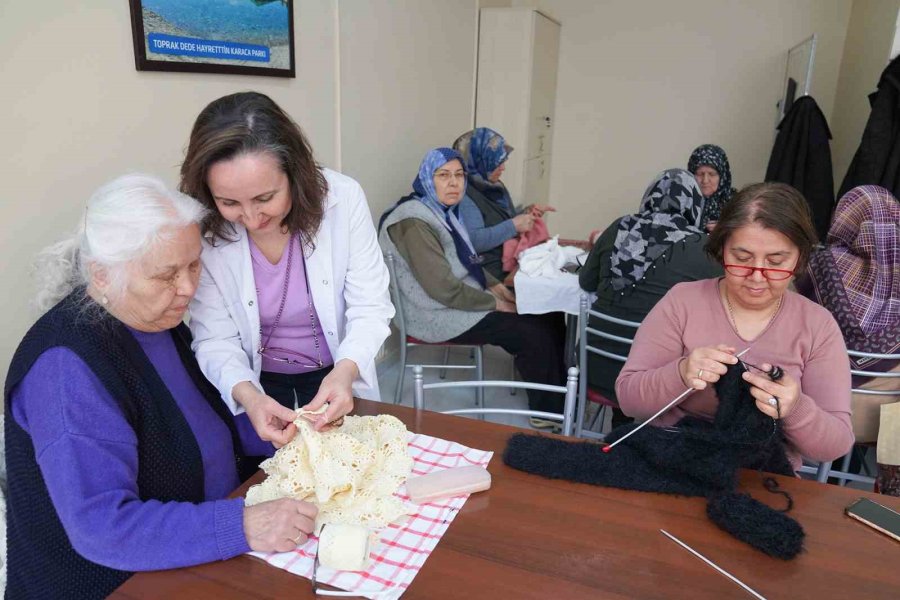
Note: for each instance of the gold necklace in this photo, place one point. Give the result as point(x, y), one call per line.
point(734, 321)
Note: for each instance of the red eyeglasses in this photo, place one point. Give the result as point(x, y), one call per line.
point(768, 273)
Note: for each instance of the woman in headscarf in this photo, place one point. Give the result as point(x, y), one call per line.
point(487, 208)
point(709, 166)
point(447, 296)
point(638, 258)
point(857, 277)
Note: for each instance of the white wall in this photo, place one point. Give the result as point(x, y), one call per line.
point(378, 83)
point(74, 112)
point(406, 87)
point(870, 36)
point(642, 83)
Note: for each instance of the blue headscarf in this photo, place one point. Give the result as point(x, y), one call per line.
point(483, 150)
point(423, 186)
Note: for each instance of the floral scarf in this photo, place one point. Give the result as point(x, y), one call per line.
point(709, 155)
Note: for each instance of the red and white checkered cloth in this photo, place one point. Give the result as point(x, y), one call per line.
point(402, 550)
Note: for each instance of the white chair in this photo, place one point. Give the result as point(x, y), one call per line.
point(566, 418)
point(586, 394)
point(824, 470)
point(407, 341)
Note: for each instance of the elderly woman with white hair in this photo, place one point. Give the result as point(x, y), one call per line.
point(120, 454)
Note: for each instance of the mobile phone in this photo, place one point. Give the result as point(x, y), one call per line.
point(875, 515)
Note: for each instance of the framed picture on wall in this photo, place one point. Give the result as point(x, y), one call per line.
point(248, 37)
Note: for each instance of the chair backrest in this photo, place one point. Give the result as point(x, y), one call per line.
point(585, 329)
point(584, 347)
point(824, 470)
point(874, 374)
point(396, 296)
point(567, 417)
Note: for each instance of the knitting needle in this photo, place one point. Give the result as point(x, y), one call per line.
point(713, 565)
point(660, 411)
point(775, 373)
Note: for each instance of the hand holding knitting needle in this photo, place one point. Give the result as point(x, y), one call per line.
point(674, 401)
point(705, 365)
point(785, 391)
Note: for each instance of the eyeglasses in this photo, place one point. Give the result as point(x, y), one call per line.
point(444, 177)
point(768, 273)
point(292, 358)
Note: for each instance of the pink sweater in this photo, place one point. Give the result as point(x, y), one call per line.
point(803, 339)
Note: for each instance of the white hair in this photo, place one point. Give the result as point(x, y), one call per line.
point(122, 221)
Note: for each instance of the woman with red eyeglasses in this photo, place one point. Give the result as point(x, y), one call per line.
point(691, 337)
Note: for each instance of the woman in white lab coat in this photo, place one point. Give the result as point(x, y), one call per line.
point(293, 302)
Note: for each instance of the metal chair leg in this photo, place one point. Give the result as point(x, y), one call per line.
point(443, 372)
point(600, 410)
point(822, 471)
point(399, 391)
point(479, 374)
point(845, 466)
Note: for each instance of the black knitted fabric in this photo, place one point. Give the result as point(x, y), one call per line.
point(694, 458)
point(42, 562)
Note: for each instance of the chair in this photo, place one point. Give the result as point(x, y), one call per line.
point(407, 341)
point(567, 417)
point(824, 470)
point(586, 394)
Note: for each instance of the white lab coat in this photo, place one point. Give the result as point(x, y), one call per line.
point(349, 285)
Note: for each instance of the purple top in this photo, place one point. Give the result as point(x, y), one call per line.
point(87, 454)
point(294, 331)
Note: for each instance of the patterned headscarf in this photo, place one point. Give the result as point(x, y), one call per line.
point(670, 211)
point(483, 150)
point(423, 186)
point(857, 276)
point(709, 155)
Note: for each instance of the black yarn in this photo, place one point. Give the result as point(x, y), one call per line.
point(695, 458)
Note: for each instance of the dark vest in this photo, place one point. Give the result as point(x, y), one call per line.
point(42, 562)
point(494, 214)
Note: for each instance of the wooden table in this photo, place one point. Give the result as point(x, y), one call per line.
point(529, 537)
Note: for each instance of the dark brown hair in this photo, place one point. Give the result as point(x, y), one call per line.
point(247, 123)
point(774, 206)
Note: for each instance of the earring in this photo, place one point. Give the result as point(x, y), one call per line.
point(104, 300)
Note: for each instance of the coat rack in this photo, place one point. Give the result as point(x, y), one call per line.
point(797, 75)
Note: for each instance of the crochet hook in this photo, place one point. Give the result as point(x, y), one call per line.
point(713, 565)
point(675, 401)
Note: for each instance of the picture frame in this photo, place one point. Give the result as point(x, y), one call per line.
point(245, 37)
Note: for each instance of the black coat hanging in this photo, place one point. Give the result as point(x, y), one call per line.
point(801, 158)
point(877, 160)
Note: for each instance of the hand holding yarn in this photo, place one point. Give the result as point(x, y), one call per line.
point(785, 391)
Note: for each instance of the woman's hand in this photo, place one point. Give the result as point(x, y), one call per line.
point(337, 390)
point(279, 525)
point(272, 421)
point(523, 222)
point(786, 391)
point(503, 293)
point(706, 365)
point(504, 306)
point(538, 210)
point(505, 299)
